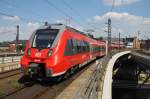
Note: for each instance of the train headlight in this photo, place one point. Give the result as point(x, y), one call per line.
point(49, 53)
point(29, 52)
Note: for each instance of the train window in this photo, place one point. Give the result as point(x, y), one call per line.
point(87, 48)
point(75, 46)
point(102, 48)
point(69, 48)
point(96, 49)
point(78, 46)
point(44, 38)
point(82, 46)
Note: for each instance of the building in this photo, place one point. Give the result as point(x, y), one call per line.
point(145, 44)
point(128, 42)
point(10, 46)
point(4, 47)
point(136, 43)
point(21, 45)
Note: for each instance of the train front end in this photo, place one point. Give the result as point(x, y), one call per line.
point(39, 55)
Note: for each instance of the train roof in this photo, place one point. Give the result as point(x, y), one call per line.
point(51, 26)
point(62, 27)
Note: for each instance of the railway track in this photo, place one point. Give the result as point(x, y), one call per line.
point(143, 52)
point(9, 73)
point(46, 90)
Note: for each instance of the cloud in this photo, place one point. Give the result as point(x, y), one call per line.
point(147, 21)
point(119, 2)
point(59, 21)
point(78, 27)
point(9, 33)
point(13, 18)
point(126, 23)
point(33, 25)
point(7, 30)
point(117, 16)
point(27, 29)
point(98, 18)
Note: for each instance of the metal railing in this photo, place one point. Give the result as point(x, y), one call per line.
point(94, 84)
point(144, 55)
point(10, 54)
point(93, 87)
point(9, 59)
point(9, 67)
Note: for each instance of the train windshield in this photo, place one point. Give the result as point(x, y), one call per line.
point(44, 38)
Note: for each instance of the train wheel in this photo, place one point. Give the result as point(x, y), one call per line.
point(66, 75)
point(57, 79)
point(72, 70)
point(76, 68)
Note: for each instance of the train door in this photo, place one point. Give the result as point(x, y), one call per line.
point(69, 51)
point(91, 52)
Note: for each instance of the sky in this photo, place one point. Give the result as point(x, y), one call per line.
point(129, 17)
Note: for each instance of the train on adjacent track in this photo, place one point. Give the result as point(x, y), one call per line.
point(57, 50)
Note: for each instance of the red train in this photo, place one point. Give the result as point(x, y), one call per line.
point(56, 50)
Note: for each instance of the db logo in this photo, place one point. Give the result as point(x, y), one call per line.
point(83, 56)
point(38, 54)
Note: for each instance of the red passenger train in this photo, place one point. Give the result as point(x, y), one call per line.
point(56, 50)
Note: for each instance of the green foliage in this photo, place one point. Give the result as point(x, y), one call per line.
point(15, 83)
point(2, 93)
point(23, 46)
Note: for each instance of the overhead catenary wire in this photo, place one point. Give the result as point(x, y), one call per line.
point(75, 11)
point(12, 16)
point(52, 5)
point(9, 4)
point(19, 7)
point(113, 5)
point(7, 32)
point(5, 14)
point(20, 17)
point(58, 9)
point(62, 12)
point(72, 9)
